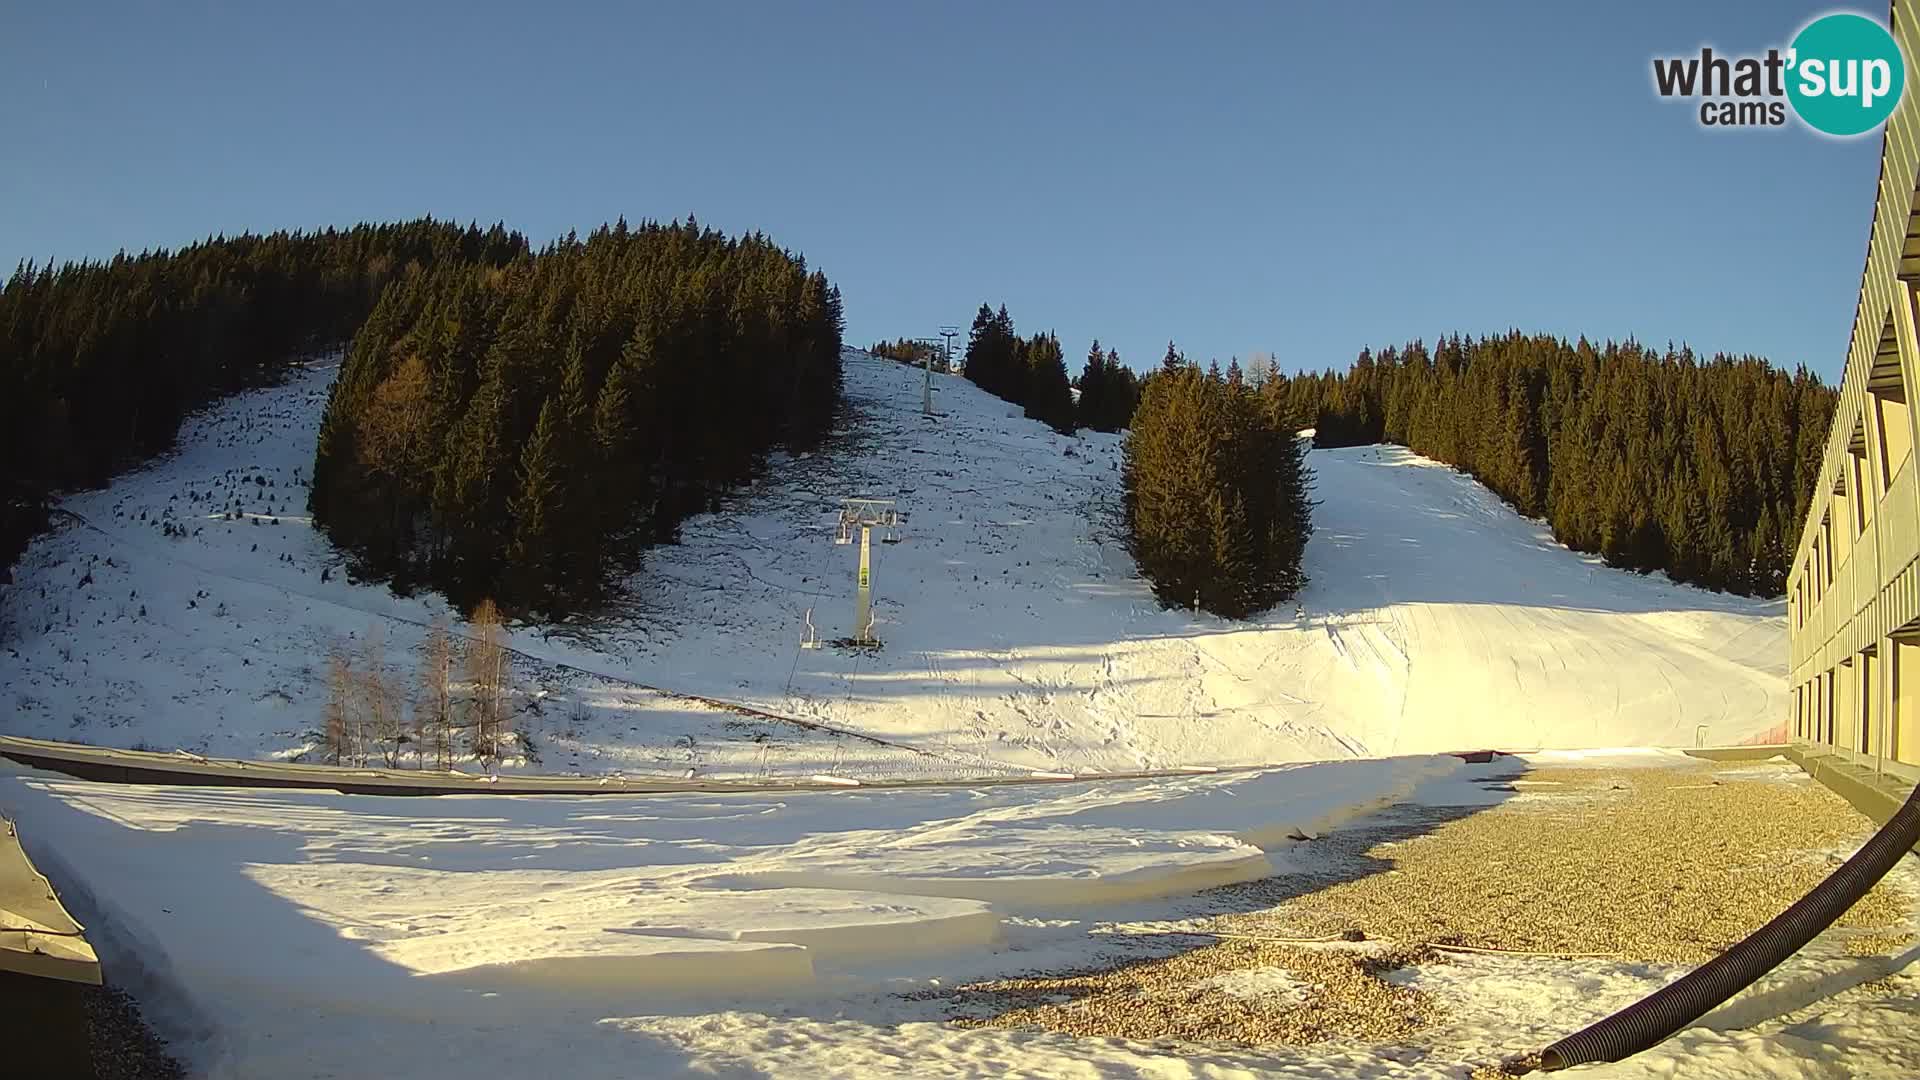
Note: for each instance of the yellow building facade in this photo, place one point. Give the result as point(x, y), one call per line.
point(1853, 596)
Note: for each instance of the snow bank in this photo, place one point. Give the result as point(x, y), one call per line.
point(274, 916)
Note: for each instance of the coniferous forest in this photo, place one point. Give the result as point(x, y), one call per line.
point(1655, 460)
point(100, 361)
point(1215, 491)
point(907, 351)
point(1109, 391)
point(1032, 373)
point(1029, 372)
point(524, 431)
point(522, 424)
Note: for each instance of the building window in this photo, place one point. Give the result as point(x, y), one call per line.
point(1859, 478)
point(1887, 389)
point(1826, 552)
point(1827, 694)
point(1865, 713)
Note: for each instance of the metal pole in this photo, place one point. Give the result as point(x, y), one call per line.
point(863, 603)
point(1883, 693)
point(948, 332)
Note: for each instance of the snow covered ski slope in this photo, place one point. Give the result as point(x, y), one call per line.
point(190, 605)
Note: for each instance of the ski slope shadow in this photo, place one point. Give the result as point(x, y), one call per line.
point(196, 938)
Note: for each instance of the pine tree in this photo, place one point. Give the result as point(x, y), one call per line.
point(538, 561)
point(1049, 398)
point(978, 360)
point(1215, 497)
point(1126, 393)
point(1096, 391)
point(470, 493)
point(626, 497)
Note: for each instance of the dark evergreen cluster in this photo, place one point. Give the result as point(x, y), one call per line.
point(99, 361)
point(1655, 460)
point(1029, 372)
point(1109, 391)
point(1215, 491)
point(907, 351)
point(524, 431)
point(1049, 394)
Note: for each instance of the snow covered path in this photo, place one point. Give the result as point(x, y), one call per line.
point(195, 607)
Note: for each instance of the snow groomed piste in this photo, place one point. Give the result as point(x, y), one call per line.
point(1016, 637)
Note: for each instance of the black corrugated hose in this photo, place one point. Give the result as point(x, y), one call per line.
point(1653, 1019)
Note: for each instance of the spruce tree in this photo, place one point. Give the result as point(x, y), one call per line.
point(1126, 392)
point(539, 558)
point(982, 351)
point(1048, 397)
point(1095, 404)
point(1215, 497)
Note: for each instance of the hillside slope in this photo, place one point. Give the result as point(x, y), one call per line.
point(1017, 634)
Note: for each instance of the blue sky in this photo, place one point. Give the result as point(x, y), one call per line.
point(1298, 178)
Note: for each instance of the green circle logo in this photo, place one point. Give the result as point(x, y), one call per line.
point(1845, 74)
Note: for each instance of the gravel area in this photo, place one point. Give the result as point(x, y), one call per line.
point(124, 1048)
point(1340, 994)
point(1667, 863)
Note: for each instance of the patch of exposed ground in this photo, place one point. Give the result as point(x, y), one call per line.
point(1337, 992)
point(124, 1048)
point(1667, 864)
